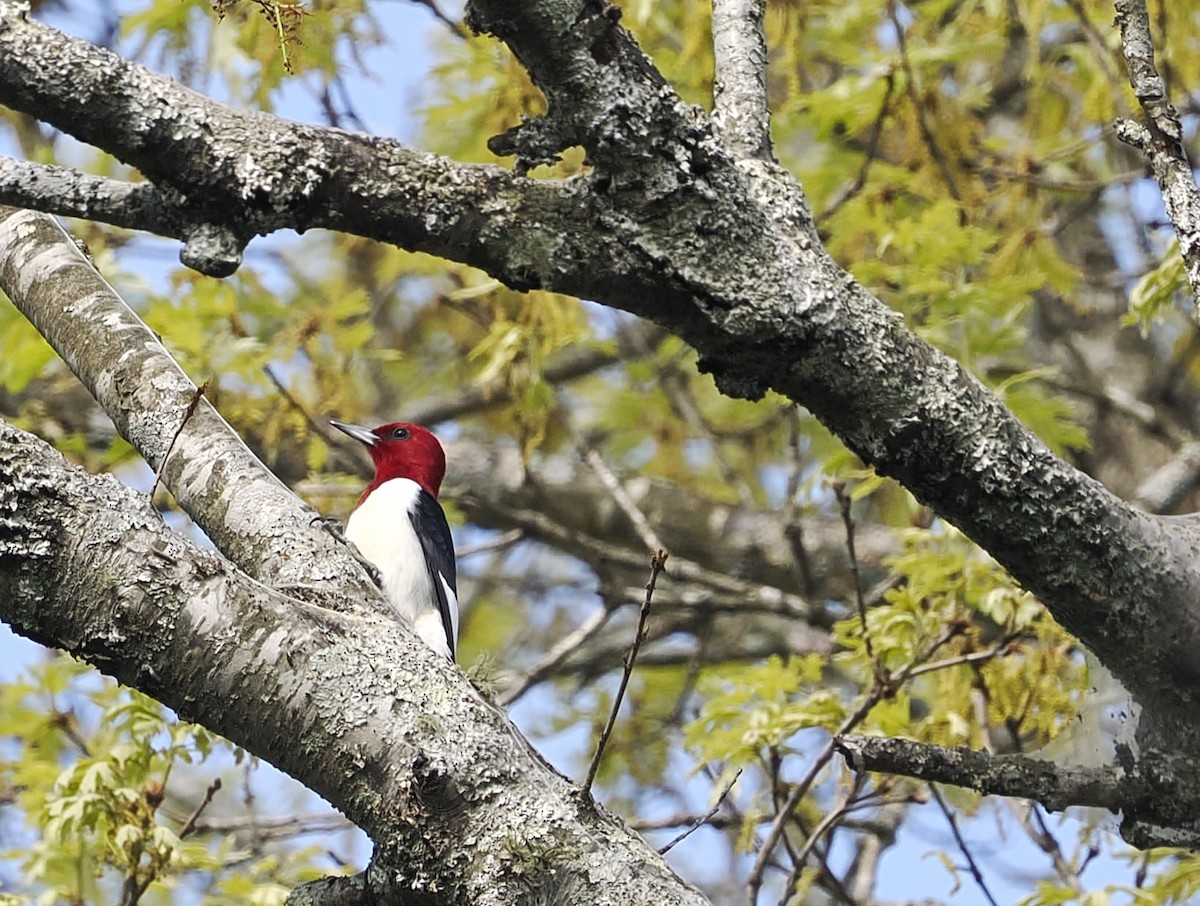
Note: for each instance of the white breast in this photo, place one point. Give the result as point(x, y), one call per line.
point(381, 529)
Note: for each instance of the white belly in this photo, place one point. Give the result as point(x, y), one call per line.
point(381, 530)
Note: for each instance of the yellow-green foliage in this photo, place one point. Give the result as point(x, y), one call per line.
point(94, 769)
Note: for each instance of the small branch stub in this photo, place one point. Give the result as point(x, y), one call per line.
point(213, 250)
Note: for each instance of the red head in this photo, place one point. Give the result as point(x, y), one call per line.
point(401, 450)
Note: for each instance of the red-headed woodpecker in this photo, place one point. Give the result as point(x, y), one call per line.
point(399, 526)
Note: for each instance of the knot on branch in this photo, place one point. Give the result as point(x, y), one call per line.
point(732, 381)
point(214, 250)
point(437, 791)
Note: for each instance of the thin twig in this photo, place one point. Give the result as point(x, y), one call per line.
point(314, 426)
point(885, 685)
point(860, 180)
point(927, 133)
point(1044, 838)
point(848, 521)
point(620, 496)
point(754, 881)
point(831, 818)
point(793, 530)
point(554, 658)
point(972, 658)
point(657, 562)
point(962, 844)
point(187, 414)
point(499, 543)
point(703, 819)
point(190, 824)
point(541, 527)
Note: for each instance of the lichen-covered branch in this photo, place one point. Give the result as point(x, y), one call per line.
point(458, 804)
point(221, 176)
point(740, 112)
point(721, 251)
point(70, 193)
point(247, 512)
point(1155, 790)
point(1161, 139)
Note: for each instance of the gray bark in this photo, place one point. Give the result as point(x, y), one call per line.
point(246, 511)
point(460, 807)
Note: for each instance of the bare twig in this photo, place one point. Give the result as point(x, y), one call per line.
point(848, 521)
point(617, 491)
point(910, 80)
point(705, 818)
point(1039, 831)
point(553, 658)
point(1101, 52)
point(971, 658)
point(831, 818)
point(276, 828)
point(499, 543)
point(188, 412)
point(320, 429)
point(885, 685)
point(657, 562)
point(972, 865)
point(1166, 487)
point(754, 881)
point(860, 180)
point(541, 527)
point(190, 825)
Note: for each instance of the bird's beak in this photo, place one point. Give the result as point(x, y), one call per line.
point(359, 433)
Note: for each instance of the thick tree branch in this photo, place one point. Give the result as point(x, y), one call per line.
point(460, 807)
point(740, 113)
point(247, 512)
point(1161, 140)
point(229, 174)
point(135, 206)
point(1153, 790)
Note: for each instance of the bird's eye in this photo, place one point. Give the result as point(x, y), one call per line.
point(400, 433)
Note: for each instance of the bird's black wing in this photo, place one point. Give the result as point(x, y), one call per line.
point(429, 522)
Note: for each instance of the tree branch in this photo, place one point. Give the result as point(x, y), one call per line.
point(458, 804)
point(223, 175)
point(1162, 141)
point(740, 113)
point(721, 252)
point(1154, 790)
point(70, 193)
point(246, 511)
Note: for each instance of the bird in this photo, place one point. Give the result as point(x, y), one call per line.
point(399, 526)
